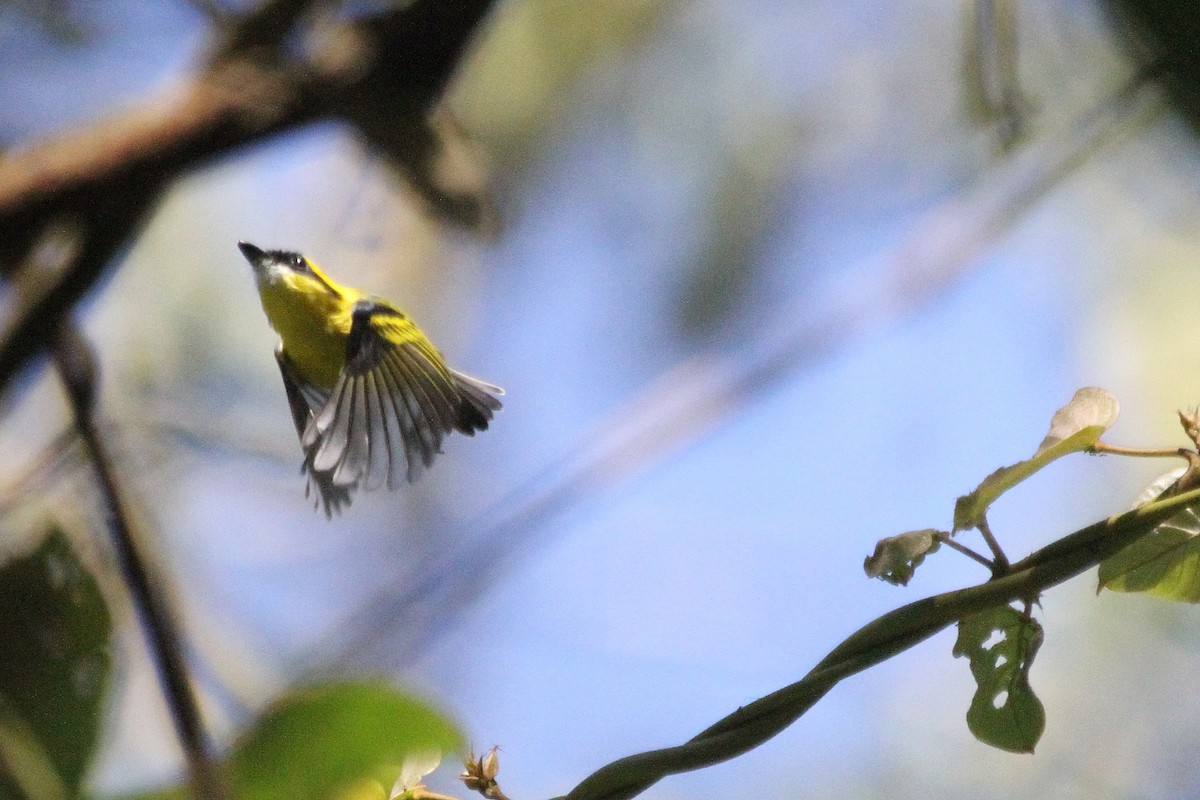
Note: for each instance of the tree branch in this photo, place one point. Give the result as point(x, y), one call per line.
point(105, 180)
point(875, 642)
point(76, 367)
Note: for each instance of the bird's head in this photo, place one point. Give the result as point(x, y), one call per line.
point(286, 270)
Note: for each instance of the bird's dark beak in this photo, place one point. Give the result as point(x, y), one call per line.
point(253, 254)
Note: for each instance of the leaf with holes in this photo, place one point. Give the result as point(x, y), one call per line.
point(896, 558)
point(55, 660)
point(1076, 426)
point(1004, 712)
point(1165, 562)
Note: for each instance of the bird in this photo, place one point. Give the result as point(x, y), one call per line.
point(370, 395)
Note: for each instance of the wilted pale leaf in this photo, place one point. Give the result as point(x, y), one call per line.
point(1081, 422)
point(1004, 712)
point(1164, 562)
point(1076, 426)
point(415, 767)
point(1159, 485)
point(55, 660)
point(896, 558)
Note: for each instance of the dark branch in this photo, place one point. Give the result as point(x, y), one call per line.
point(77, 369)
point(106, 179)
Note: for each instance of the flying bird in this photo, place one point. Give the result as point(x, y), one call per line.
point(371, 397)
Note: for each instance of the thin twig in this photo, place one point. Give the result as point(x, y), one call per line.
point(950, 542)
point(1104, 448)
point(76, 367)
point(45, 466)
point(997, 70)
point(999, 560)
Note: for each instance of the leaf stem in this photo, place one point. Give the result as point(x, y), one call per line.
point(944, 538)
point(999, 563)
point(1104, 448)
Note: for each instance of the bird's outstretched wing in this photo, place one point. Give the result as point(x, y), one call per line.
point(305, 400)
point(389, 411)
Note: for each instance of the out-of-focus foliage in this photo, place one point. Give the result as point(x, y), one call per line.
point(318, 742)
point(320, 738)
point(535, 52)
point(55, 660)
point(58, 18)
point(1163, 34)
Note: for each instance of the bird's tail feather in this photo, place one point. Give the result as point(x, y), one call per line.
point(479, 403)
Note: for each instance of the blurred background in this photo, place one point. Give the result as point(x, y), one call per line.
point(769, 281)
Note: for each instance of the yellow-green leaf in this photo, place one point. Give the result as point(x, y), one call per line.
point(331, 741)
point(1164, 562)
point(1076, 426)
point(322, 740)
point(1004, 712)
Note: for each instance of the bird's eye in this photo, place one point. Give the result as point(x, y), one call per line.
point(296, 261)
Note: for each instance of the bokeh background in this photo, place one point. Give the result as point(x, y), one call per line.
point(771, 280)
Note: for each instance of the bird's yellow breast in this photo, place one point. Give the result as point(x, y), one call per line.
point(313, 321)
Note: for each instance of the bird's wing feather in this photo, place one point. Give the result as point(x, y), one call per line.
point(303, 398)
point(479, 403)
point(392, 405)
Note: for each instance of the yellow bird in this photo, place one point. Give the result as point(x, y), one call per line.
point(371, 397)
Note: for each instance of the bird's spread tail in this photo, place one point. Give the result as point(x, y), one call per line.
point(479, 402)
point(334, 486)
point(328, 494)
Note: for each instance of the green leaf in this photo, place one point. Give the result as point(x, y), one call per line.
point(1004, 712)
point(1164, 562)
point(319, 741)
point(1076, 426)
point(896, 558)
point(55, 661)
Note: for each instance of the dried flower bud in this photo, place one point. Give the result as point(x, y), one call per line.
point(1191, 423)
point(491, 764)
point(479, 774)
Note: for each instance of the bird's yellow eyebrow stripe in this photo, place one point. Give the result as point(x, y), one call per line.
point(319, 278)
